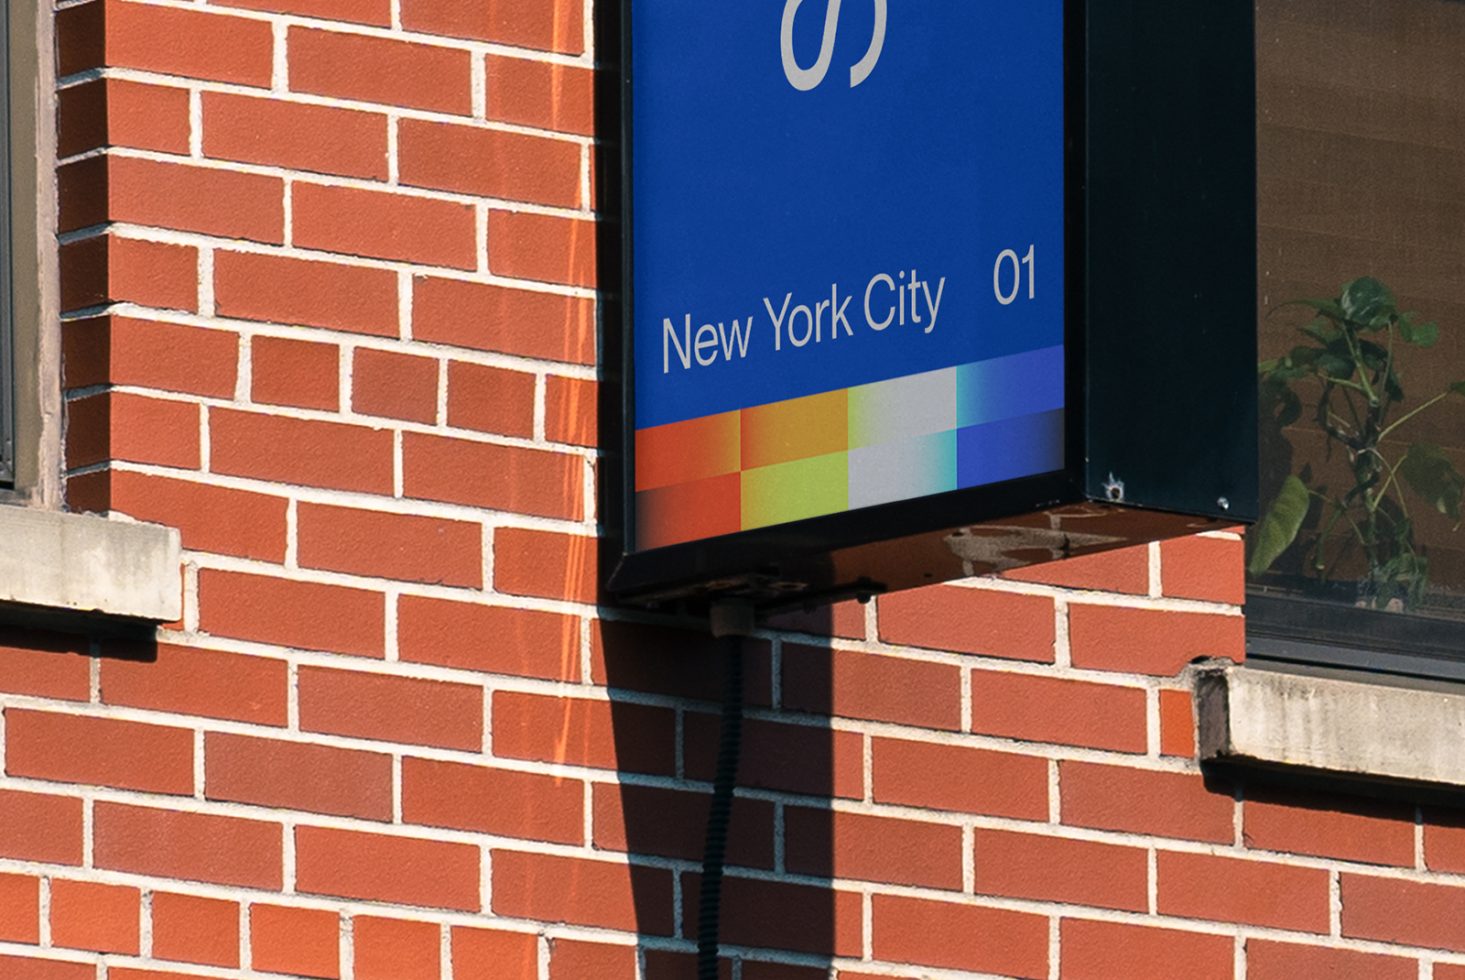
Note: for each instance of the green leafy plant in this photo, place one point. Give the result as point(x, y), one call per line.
point(1347, 372)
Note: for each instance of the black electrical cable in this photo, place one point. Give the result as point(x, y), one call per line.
point(714, 852)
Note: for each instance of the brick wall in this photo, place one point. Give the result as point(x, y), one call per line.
point(328, 271)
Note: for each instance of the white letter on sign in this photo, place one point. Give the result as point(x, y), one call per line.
point(806, 79)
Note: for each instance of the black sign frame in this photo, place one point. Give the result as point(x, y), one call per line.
point(1120, 56)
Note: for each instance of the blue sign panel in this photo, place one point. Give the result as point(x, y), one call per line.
point(848, 249)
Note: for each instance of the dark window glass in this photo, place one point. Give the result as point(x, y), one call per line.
point(1361, 242)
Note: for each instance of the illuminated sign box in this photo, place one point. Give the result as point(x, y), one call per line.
point(920, 290)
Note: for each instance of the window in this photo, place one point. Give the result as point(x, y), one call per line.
point(29, 380)
point(1359, 560)
point(62, 570)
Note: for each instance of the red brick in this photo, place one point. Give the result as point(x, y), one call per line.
point(546, 564)
point(791, 758)
point(557, 25)
point(85, 277)
point(947, 777)
point(1177, 724)
point(571, 411)
point(300, 942)
point(86, 352)
point(295, 372)
point(386, 707)
point(117, 426)
point(20, 904)
point(189, 929)
point(399, 386)
point(306, 291)
point(494, 639)
point(374, 867)
point(1222, 889)
point(753, 970)
point(1052, 869)
point(390, 949)
point(294, 614)
point(122, 973)
point(43, 664)
point(156, 355)
point(376, 69)
point(314, 138)
point(1120, 570)
point(29, 968)
point(845, 619)
point(1349, 829)
point(490, 163)
point(542, 247)
point(200, 44)
point(671, 823)
point(541, 95)
point(202, 199)
point(81, 38)
point(205, 683)
point(1449, 971)
point(37, 827)
point(572, 960)
point(1109, 950)
point(876, 687)
point(82, 189)
point(166, 276)
point(588, 893)
point(1166, 804)
point(1444, 839)
point(114, 112)
point(1285, 961)
point(972, 938)
point(481, 953)
point(98, 752)
point(191, 846)
point(109, 269)
point(1211, 569)
point(1405, 912)
point(86, 915)
point(377, 13)
point(833, 844)
point(396, 546)
point(305, 452)
point(87, 493)
point(1099, 716)
point(496, 318)
point(525, 481)
point(663, 965)
point(212, 519)
point(993, 624)
point(297, 776)
point(501, 802)
point(1150, 641)
point(381, 225)
point(682, 663)
point(573, 731)
point(490, 399)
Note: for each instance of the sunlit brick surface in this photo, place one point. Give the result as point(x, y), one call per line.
point(329, 298)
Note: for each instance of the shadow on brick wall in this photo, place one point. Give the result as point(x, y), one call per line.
point(780, 915)
point(781, 918)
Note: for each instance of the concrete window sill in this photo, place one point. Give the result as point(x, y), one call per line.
point(1329, 727)
point(54, 564)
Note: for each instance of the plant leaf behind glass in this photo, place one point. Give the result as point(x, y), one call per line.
point(1347, 373)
